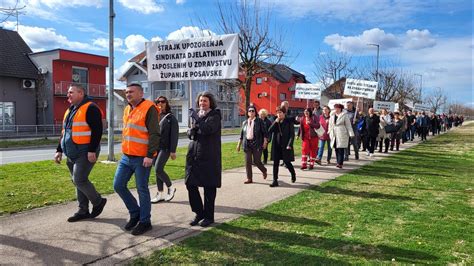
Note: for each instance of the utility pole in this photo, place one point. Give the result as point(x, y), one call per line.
point(421, 84)
point(110, 140)
point(377, 69)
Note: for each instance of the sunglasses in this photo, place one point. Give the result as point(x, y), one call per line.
point(251, 110)
point(161, 101)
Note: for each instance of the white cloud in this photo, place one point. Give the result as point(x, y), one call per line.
point(135, 44)
point(189, 32)
point(180, 2)
point(156, 39)
point(55, 4)
point(419, 39)
point(143, 6)
point(40, 39)
point(357, 44)
point(413, 40)
point(104, 43)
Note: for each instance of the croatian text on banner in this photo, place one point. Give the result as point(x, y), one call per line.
point(361, 88)
point(213, 57)
point(379, 105)
point(422, 108)
point(331, 103)
point(308, 91)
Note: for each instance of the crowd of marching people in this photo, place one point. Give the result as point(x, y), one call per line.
point(150, 138)
point(343, 129)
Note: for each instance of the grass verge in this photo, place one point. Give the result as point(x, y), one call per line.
point(25, 186)
point(416, 207)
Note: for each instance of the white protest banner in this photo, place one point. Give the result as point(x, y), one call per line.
point(397, 107)
point(421, 107)
point(308, 91)
point(331, 103)
point(213, 57)
point(361, 88)
point(379, 105)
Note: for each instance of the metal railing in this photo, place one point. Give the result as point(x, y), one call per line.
point(228, 97)
point(93, 90)
point(176, 94)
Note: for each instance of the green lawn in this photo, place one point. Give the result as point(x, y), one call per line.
point(414, 207)
point(25, 186)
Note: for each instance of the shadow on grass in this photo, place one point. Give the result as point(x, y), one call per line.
point(340, 246)
point(360, 194)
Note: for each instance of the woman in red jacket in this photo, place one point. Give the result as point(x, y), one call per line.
point(309, 138)
point(324, 139)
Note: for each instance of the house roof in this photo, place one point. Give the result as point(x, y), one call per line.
point(282, 73)
point(14, 53)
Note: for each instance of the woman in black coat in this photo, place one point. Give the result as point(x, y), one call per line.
point(372, 122)
point(283, 135)
point(203, 161)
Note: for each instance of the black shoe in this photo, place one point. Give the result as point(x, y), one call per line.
point(141, 228)
point(346, 159)
point(196, 220)
point(78, 216)
point(293, 178)
point(274, 184)
point(131, 223)
point(357, 157)
point(97, 210)
point(206, 222)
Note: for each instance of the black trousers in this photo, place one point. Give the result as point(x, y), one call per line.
point(201, 209)
point(371, 142)
point(340, 155)
point(265, 155)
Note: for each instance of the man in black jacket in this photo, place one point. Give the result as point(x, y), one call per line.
point(372, 122)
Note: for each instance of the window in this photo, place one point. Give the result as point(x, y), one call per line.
point(259, 81)
point(282, 96)
point(80, 75)
point(293, 96)
point(178, 113)
point(7, 115)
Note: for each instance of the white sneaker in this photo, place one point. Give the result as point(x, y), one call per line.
point(158, 198)
point(371, 155)
point(170, 196)
point(368, 153)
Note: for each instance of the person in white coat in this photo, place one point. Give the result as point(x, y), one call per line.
point(340, 130)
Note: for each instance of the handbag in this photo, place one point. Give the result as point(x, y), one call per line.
point(320, 131)
point(390, 128)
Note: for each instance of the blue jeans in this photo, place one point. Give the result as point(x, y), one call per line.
point(321, 149)
point(128, 166)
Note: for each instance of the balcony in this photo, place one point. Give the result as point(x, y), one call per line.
point(93, 90)
point(178, 94)
point(228, 97)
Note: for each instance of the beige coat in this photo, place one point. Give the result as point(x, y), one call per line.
point(384, 120)
point(340, 131)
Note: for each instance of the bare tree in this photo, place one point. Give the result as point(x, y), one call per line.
point(330, 67)
point(461, 109)
point(437, 100)
point(259, 51)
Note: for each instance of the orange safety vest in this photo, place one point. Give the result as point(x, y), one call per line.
point(135, 135)
point(81, 132)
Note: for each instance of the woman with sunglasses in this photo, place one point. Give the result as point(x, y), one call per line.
point(169, 131)
point(253, 137)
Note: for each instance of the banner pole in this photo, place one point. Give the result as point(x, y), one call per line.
point(356, 111)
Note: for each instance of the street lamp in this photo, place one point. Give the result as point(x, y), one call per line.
point(377, 69)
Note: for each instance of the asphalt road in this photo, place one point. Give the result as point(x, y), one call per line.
point(47, 153)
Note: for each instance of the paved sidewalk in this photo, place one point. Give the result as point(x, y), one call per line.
point(43, 236)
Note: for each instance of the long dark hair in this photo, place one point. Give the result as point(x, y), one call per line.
point(210, 96)
point(167, 107)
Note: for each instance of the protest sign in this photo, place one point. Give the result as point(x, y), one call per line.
point(361, 88)
point(331, 103)
point(379, 105)
point(421, 107)
point(213, 57)
point(308, 91)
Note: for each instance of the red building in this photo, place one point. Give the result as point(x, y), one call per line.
point(273, 86)
point(60, 68)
